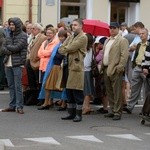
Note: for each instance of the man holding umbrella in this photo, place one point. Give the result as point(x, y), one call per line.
point(114, 62)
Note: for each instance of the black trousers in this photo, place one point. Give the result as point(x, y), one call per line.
point(75, 96)
point(2, 72)
point(33, 76)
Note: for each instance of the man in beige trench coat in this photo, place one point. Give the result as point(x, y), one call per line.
point(114, 62)
point(74, 48)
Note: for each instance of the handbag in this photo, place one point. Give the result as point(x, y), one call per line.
point(94, 66)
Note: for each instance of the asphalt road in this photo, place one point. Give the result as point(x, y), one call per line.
point(44, 130)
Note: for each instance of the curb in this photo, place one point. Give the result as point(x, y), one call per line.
point(2, 147)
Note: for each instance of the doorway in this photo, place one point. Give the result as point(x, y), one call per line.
point(71, 9)
point(119, 12)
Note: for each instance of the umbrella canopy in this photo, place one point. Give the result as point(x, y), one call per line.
point(96, 27)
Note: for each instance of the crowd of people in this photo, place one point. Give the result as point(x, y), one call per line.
point(56, 64)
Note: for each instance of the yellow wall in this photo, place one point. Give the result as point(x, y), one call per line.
point(101, 10)
point(49, 14)
point(144, 12)
point(18, 8)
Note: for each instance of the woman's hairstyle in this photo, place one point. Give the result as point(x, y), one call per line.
point(62, 33)
point(52, 29)
point(90, 40)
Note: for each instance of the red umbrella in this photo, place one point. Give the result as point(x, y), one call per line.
point(96, 27)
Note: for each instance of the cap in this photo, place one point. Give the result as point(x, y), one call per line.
point(114, 24)
point(102, 40)
point(97, 39)
point(123, 24)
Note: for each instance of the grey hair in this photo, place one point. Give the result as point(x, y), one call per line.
point(38, 26)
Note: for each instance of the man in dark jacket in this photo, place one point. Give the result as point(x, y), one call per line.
point(2, 70)
point(15, 50)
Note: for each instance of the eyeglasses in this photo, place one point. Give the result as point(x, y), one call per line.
point(112, 27)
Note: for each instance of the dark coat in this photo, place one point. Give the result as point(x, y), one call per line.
point(16, 44)
point(2, 35)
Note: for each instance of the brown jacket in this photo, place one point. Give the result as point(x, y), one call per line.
point(118, 55)
point(75, 48)
point(34, 59)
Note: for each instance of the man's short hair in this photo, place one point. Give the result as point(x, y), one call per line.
point(79, 20)
point(38, 26)
point(139, 24)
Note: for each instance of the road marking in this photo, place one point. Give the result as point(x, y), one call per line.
point(86, 138)
point(125, 136)
point(7, 142)
point(4, 92)
point(47, 140)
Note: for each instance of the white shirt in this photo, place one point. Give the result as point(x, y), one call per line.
point(125, 32)
point(107, 50)
point(88, 60)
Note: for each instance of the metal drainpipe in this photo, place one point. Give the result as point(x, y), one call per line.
point(30, 10)
point(39, 11)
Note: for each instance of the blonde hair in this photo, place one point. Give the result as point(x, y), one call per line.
point(52, 29)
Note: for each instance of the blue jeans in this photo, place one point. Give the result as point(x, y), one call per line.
point(14, 76)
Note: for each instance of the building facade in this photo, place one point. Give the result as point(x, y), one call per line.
point(53, 11)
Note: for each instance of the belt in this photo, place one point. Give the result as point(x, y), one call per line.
point(139, 66)
point(105, 66)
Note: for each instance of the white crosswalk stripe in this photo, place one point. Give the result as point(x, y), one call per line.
point(86, 138)
point(7, 142)
point(125, 136)
point(47, 140)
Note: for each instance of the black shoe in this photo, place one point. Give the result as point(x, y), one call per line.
point(109, 115)
point(116, 117)
point(127, 110)
point(61, 108)
point(44, 107)
point(69, 117)
point(77, 118)
point(102, 111)
point(39, 104)
point(1, 88)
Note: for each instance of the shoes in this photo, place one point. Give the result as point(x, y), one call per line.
point(102, 111)
point(20, 111)
point(61, 108)
point(87, 112)
point(127, 110)
point(44, 107)
point(1, 88)
point(8, 110)
point(109, 115)
point(39, 104)
point(116, 117)
point(58, 103)
point(69, 117)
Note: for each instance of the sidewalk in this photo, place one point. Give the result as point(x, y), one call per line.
point(2, 146)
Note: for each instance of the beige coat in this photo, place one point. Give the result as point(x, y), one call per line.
point(75, 49)
point(34, 48)
point(118, 55)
